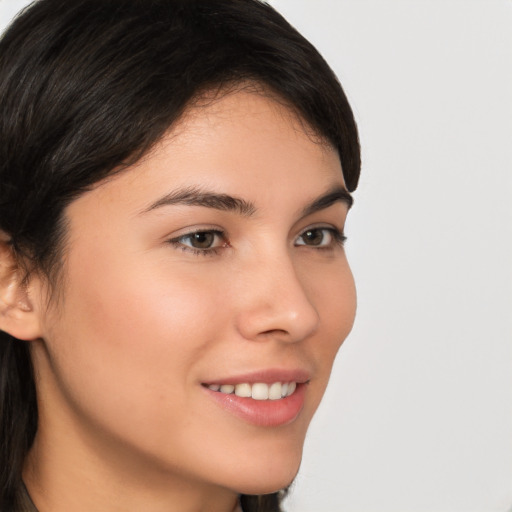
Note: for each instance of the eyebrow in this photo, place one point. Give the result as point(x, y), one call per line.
point(335, 195)
point(195, 196)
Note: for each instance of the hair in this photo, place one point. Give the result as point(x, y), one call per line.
point(88, 87)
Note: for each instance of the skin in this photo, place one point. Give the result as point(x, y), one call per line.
point(141, 322)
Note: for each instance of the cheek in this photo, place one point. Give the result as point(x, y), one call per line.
point(139, 303)
point(334, 294)
point(340, 306)
point(127, 343)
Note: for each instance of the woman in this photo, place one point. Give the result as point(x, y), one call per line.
point(175, 179)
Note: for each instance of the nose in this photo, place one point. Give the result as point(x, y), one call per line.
point(274, 302)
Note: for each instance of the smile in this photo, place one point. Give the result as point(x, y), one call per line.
point(258, 390)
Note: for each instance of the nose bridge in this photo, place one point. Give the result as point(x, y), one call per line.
point(275, 300)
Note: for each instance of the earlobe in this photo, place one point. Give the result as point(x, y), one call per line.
point(18, 317)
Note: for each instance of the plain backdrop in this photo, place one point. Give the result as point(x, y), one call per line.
point(418, 415)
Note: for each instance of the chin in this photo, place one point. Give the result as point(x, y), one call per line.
point(265, 477)
point(266, 485)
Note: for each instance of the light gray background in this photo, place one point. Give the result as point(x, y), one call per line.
point(418, 416)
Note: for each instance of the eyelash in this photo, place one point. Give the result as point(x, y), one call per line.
point(338, 239)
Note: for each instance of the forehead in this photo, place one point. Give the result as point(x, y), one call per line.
point(242, 143)
point(245, 126)
point(247, 101)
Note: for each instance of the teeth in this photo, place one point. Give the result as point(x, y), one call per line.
point(257, 391)
point(243, 390)
point(274, 391)
point(260, 391)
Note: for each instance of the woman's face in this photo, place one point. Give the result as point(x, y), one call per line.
point(216, 260)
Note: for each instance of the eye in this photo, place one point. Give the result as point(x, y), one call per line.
point(320, 237)
point(201, 240)
point(205, 241)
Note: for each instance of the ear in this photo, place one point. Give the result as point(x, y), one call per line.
point(18, 317)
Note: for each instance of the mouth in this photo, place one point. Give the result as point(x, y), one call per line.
point(257, 391)
point(268, 398)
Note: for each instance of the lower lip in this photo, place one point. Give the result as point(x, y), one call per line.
point(263, 413)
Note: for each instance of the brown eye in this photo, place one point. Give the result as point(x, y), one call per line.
point(313, 236)
point(203, 240)
point(320, 237)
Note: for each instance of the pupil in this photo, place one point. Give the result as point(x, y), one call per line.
point(202, 240)
point(314, 236)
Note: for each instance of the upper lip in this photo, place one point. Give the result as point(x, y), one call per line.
point(268, 376)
